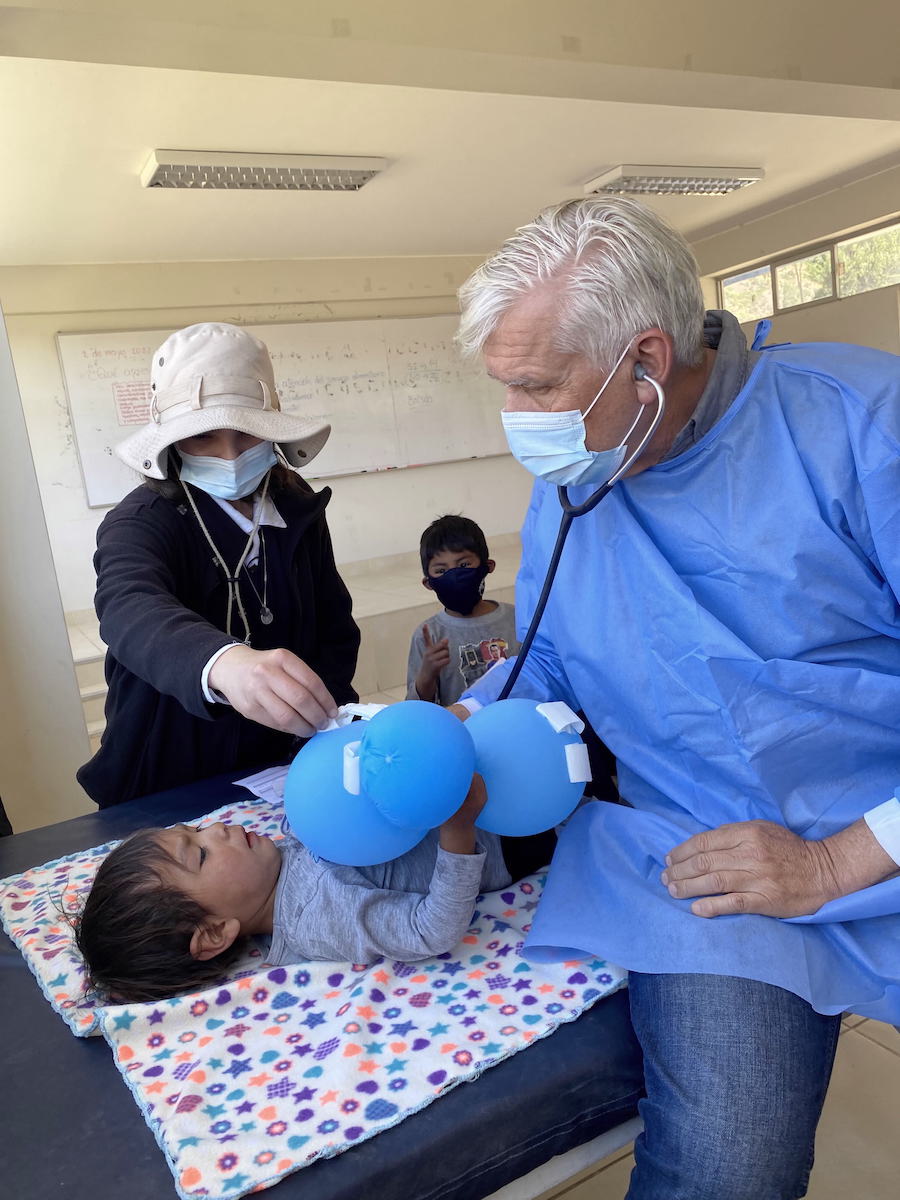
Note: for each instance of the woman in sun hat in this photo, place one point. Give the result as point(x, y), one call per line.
point(229, 630)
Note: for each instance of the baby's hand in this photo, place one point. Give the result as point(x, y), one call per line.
point(458, 833)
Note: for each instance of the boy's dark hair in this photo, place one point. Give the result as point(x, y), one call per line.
point(134, 932)
point(452, 532)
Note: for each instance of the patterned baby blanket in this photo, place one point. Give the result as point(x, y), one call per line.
point(276, 1067)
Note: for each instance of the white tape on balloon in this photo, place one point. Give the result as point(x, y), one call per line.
point(578, 762)
point(561, 717)
point(351, 768)
point(347, 712)
point(365, 793)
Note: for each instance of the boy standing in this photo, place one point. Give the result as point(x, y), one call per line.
point(455, 647)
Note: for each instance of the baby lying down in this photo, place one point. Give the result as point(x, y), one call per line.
point(169, 908)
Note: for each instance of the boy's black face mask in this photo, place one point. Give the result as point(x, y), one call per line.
point(460, 589)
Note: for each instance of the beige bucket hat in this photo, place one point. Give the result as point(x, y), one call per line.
point(216, 376)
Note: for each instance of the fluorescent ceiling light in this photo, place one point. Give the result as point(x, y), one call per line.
point(258, 172)
point(673, 181)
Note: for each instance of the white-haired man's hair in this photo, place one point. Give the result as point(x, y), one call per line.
point(622, 270)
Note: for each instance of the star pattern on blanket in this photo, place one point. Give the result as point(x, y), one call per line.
point(277, 1067)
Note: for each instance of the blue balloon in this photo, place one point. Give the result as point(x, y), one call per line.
point(416, 763)
point(525, 767)
point(328, 818)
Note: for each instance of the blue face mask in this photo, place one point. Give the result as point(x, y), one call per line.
point(229, 478)
point(551, 445)
point(461, 588)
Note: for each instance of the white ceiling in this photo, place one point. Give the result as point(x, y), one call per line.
point(465, 168)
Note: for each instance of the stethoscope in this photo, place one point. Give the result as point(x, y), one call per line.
point(569, 512)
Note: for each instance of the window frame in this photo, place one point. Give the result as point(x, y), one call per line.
point(810, 251)
point(792, 258)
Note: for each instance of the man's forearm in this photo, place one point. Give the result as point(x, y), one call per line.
point(854, 859)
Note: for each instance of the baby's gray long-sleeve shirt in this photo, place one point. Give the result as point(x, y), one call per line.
point(417, 906)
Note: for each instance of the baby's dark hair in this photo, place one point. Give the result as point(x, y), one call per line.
point(134, 932)
point(452, 532)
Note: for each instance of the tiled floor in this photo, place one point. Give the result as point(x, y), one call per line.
point(857, 1148)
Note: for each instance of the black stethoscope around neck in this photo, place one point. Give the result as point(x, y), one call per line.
point(569, 512)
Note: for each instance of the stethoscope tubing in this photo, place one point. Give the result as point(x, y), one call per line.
point(569, 512)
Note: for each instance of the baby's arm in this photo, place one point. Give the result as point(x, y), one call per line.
point(351, 919)
point(369, 922)
point(458, 833)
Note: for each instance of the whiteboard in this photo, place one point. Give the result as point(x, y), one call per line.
point(396, 393)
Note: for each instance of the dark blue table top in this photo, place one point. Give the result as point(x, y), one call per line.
point(71, 1130)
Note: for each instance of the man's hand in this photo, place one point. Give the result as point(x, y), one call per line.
point(273, 688)
point(761, 867)
point(458, 833)
point(435, 658)
point(751, 867)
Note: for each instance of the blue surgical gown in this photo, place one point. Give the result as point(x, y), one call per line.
point(728, 621)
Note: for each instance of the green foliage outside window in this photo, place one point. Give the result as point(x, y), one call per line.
point(804, 280)
point(861, 264)
point(749, 295)
point(868, 262)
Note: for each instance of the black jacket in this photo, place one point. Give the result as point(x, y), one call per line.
point(162, 601)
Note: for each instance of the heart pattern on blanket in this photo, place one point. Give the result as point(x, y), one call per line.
point(276, 1067)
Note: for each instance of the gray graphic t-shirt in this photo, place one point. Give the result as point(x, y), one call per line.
point(476, 643)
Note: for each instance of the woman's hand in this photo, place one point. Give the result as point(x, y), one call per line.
point(751, 867)
point(458, 833)
point(273, 688)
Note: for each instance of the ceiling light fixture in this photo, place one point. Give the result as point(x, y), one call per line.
point(258, 172)
point(672, 181)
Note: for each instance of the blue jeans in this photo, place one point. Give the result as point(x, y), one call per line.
point(736, 1073)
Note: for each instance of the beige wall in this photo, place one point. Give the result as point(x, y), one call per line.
point(370, 515)
point(42, 734)
point(473, 45)
point(870, 319)
point(840, 209)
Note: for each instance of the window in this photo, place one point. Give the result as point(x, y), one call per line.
point(749, 295)
point(869, 261)
point(841, 268)
point(804, 280)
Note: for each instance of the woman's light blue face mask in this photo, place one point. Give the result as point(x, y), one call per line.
point(551, 445)
point(229, 478)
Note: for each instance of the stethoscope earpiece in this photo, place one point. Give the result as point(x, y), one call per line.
point(640, 371)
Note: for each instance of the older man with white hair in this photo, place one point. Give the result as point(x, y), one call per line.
point(728, 618)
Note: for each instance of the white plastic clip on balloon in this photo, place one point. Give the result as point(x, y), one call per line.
point(533, 762)
point(333, 820)
point(367, 792)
